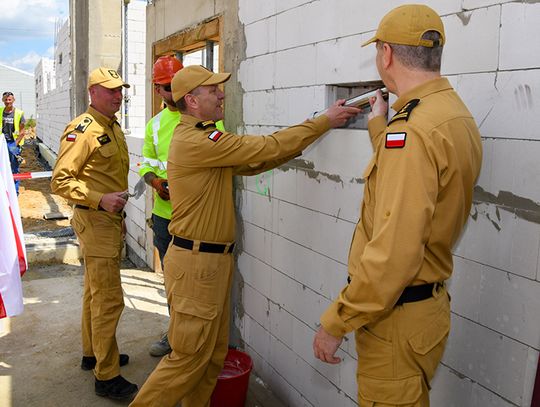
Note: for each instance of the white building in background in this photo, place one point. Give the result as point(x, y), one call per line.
point(53, 91)
point(21, 84)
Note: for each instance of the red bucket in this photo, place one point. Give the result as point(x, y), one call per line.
point(232, 383)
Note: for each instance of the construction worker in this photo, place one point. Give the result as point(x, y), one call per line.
point(159, 132)
point(91, 172)
point(417, 197)
point(13, 122)
point(199, 263)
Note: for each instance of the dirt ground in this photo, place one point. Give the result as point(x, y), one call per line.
point(35, 197)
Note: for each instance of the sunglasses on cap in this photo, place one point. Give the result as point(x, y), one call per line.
point(7, 94)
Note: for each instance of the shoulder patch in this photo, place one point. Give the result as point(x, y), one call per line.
point(71, 137)
point(83, 125)
point(215, 135)
point(104, 139)
point(405, 111)
point(395, 140)
point(205, 124)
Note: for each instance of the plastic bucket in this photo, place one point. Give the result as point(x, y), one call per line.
point(232, 383)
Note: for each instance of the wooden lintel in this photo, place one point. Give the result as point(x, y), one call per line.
point(188, 39)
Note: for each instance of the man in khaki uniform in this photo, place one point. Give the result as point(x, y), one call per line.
point(91, 172)
point(199, 262)
point(417, 198)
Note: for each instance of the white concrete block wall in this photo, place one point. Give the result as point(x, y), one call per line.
point(135, 209)
point(53, 101)
point(297, 220)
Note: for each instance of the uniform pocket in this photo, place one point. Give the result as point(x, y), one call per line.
point(369, 178)
point(395, 392)
point(108, 150)
point(190, 324)
point(375, 354)
point(78, 227)
point(432, 335)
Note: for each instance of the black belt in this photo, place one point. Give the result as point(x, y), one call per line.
point(203, 246)
point(417, 293)
point(414, 293)
point(86, 207)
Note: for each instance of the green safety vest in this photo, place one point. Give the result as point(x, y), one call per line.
point(17, 120)
point(155, 152)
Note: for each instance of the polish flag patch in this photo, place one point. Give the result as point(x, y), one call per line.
point(215, 135)
point(71, 137)
point(395, 140)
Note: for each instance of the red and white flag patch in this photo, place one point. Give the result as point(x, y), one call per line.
point(395, 140)
point(71, 137)
point(215, 135)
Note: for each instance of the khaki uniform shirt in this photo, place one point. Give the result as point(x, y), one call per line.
point(417, 198)
point(202, 162)
point(93, 160)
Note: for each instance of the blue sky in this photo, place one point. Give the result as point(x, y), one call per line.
point(27, 31)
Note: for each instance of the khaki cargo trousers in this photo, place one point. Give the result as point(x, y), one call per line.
point(398, 355)
point(100, 237)
point(198, 291)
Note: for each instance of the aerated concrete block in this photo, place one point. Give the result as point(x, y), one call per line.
point(254, 10)
point(479, 30)
point(520, 24)
point(260, 37)
point(495, 361)
point(303, 60)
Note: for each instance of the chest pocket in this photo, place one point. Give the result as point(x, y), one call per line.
point(370, 175)
point(108, 150)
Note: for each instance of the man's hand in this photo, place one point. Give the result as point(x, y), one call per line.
point(114, 201)
point(339, 114)
point(325, 346)
point(162, 187)
point(19, 139)
point(379, 107)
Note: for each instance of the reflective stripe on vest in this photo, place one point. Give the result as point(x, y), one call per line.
point(152, 162)
point(156, 124)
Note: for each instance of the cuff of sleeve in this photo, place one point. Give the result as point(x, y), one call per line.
point(94, 198)
point(376, 126)
point(332, 322)
point(322, 122)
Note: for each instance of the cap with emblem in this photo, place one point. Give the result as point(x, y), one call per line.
point(106, 77)
point(405, 25)
point(193, 76)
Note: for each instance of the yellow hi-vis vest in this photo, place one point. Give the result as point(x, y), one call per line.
point(16, 121)
point(155, 152)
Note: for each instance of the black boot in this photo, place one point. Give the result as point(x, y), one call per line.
point(116, 388)
point(89, 362)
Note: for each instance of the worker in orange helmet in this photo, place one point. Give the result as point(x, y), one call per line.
point(155, 151)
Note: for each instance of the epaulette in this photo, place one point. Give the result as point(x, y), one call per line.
point(83, 125)
point(206, 124)
point(405, 111)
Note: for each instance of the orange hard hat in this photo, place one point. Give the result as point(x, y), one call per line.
point(164, 69)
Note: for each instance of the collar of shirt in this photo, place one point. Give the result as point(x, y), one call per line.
point(101, 118)
point(191, 120)
point(421, 91)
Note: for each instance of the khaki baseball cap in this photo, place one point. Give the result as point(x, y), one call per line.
point(405, 25)
point(106, 77)
point(193, 76)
